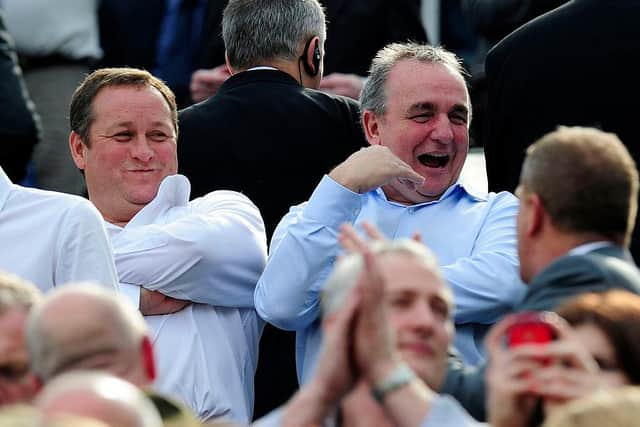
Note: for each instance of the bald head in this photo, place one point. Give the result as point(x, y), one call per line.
point(99, 396)
point(83, 326)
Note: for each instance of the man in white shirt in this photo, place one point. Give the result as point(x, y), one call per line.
point(52, 238)
point(198, 260)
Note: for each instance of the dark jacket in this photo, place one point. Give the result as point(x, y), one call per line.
point(571, 275)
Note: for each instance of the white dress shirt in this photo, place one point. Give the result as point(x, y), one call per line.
point(52, 238)
point(210, 251)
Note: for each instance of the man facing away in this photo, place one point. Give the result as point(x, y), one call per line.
point(578, 202)
point(415, 113)
point(267, 132)
point(198, 261)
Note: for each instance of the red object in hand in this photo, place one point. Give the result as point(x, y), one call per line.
point(529, 327)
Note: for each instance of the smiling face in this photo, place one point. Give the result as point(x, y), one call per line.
point(420, 309)
point(425, 125)
point(132, 148)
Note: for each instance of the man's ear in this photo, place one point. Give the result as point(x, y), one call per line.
point(370, 123)
point(78, 150)
point(148, 361)
point(228, 64)
point(536, 213)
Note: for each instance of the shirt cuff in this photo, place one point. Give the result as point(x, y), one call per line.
point(131, 293)
point(332, 204)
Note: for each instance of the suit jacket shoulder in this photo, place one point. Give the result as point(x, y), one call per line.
point(571, 275)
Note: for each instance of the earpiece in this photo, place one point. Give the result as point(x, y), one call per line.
point(313, 68)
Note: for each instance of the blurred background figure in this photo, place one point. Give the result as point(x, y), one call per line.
point(611, 408)
point(17, 382)
point(57, 43)
point(100, 396)
point(601, 351)
point(169, 38)
point(19, 123)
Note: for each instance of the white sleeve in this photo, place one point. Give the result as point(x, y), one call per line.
point(212, 254)
point(83, 251)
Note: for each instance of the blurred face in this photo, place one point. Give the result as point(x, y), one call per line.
point(132, 149)
point(597, 343)
point(17, 384)
point(426, 125)
point(420, 307)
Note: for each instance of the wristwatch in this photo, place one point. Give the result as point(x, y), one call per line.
point(401, 375)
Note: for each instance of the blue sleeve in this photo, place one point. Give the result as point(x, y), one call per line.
point(487, 283)
point(303, 250)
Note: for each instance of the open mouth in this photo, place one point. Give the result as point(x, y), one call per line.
point(434, 160)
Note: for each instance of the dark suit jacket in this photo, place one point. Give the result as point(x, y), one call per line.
point(268, 137)
point(598, 271)
point(129, 32)
point(567, 67)
point(19, 130)
point(356, 30)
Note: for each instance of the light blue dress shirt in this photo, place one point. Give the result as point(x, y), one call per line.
point(473, 237)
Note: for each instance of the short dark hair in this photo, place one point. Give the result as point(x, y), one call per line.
point(617, 314)
point(259, 30)
point(586, 180)
point(81, 110)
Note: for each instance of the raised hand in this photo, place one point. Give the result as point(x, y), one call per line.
point(373, 167)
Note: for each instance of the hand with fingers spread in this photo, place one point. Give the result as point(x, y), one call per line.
point(373, 167)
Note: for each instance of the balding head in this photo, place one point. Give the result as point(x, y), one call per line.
point(99, 396)
point(83, 326)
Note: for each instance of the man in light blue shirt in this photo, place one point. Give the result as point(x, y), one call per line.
point(415, 113)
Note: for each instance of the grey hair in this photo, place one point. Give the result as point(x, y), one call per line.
point(17, 292)
point(348, 269)
point(261, 30)
point(113, 393)
point(373, 96)
point(46, 356)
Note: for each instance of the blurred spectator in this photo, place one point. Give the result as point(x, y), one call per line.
point(387, 324)
point(99, 396)
point(19, 124)
point(57, 42)
point(611, 408)
point(67, 332)
point(600, 352)
point(167, 37)
point(17, 382)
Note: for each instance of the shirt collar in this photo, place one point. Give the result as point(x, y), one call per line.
point(174, 191)
point(5, 187)
point(458, 186)
point(589, 247)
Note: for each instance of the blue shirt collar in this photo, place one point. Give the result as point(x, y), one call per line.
point(458, 186)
